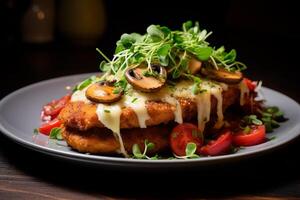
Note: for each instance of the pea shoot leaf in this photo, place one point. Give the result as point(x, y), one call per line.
point(201, 53)
point(136, 151)
point(163, 53)
point(190, 149)
point(85, 83)
point(187, 25)
point(139, 155)
point(155, 33)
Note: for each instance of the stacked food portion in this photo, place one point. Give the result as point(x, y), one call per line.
point(166, 93)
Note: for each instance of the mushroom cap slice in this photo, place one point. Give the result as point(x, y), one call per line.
point(194, 65)
point(222, 75)
point(102, 92)
point(139, 81)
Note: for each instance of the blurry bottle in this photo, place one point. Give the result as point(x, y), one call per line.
point(82, 22)
point(38, 22)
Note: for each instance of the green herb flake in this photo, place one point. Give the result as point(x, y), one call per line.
point(134, 100)
point(35, 131)
point(246, 130)
point(272, 138)
point(107, 111)
point(174, 135)
point(55, 133)
point(85, 83)
point(271, 116)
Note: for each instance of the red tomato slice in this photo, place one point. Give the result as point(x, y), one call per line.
point(256, 136)
point(47, 127)
point(219, 146)
point(250, 84)
point(52, 109)
point(183, 134)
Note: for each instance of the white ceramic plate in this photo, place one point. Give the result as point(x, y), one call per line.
point(20, 111)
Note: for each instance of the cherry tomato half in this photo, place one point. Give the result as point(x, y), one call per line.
point(47, 127)
point(256, 136)
point(219, 146)
point(250, 84)
point(183, 134)
point(52, 109)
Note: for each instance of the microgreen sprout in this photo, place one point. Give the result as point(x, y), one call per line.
point(190, 151)
point(85, 83)
point(139, 155)
point(170, 49)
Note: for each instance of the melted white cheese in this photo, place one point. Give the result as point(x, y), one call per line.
point(137, 102)
point(258, 90)
point(109, 116)
point(217, 92)
point(177, 112)
point(203, 109)
point(244, 92)
point(79, 95)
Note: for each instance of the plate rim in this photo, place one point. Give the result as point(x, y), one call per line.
point(109, 160)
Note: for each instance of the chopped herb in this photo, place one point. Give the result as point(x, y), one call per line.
point(107, 111)
point(272, 138)
point(250, 120)
point(134, 100)
point(35, 131)
point(271, 116)
point(55, 133)
point(85, 83)
point(234, 149)
point(121, 86)
point(117, 91)
point(174, 134)
point(247, 130)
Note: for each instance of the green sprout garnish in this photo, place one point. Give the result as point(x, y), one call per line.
point(137, 154)
point(271, 116)
point(171, 49)
point(55, 133)
point(190, 152)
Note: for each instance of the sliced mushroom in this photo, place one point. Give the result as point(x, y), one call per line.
point(144, 83)
point(102, 92)
point(222, 75)
point(194, 65)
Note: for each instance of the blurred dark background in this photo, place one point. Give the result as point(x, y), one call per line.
point(42, 39)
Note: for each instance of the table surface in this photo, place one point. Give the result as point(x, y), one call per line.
point(26, 174)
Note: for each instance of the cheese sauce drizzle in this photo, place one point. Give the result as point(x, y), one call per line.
point(217, 93)
point(109, 114)
point(137, 102)
point(177, 112)
point(203, 109)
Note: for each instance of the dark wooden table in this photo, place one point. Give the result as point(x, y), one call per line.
point(26, 174)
